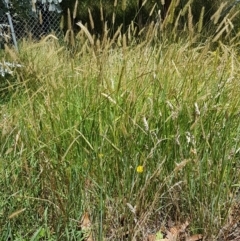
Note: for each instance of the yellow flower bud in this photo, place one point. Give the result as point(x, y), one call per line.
point(140, 169)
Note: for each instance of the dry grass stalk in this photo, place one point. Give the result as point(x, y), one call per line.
point(222, 23)
point(119, 40)
point(116, 35)
point(204, 51)
point(69, 20)
point(230, 24)
point(171, 10)
point(109, 98)
point(158, 17)
point(181, 165)
point(62, 23)
point(215, 17)
point(40, 17)
point(11, 52)
point(234, 15)
point(216, 38)
point(50, 36)
point(113, 18)
point(132, 26)
point(84, 48)
point(91, 19)
point(185, 9)
point(7, 37)
point(151, 12)
point(150, 32)
point(98, 46)
point(155, 30)
point(234, 39)
point(115, 3)
point(200, 22)
point(101, 13)
point(67, 36)
point(141, 31)
point(170, 13)
point(90, 38)
point(129, 33)
point(34, 6)
point(227, 21)
point(144, 2)
point(72, 38)
point(176, 23)
point(86, 227)
point(15, 214)
point(124, 41)
point(105, 35)
point(75, 9)
point(190, 21)
point(124, 5)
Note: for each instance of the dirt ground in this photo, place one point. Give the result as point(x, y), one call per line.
point(231, 231)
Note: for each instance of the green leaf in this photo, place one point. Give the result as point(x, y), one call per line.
point(159, 235)
point(38, 234)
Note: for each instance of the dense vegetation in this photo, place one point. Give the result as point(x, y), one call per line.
point(122, 136)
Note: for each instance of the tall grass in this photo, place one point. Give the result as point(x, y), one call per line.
point(76, 129)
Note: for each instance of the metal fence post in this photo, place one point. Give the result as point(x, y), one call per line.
point(12, 30)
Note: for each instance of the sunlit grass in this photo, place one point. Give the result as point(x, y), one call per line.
point(134, 136)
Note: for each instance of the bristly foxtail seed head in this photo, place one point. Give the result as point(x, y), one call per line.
point(75, 9)
point(197, 111)
point(109, 98)
point(144, 3)
point(91, 18)
point(190, 20)
point(113, 18)
point(72, 38)
point(119, 40)
point(85, 30)
point(124, 5)
point(176, 23)
point(115, 35)
point(151, 12)
point(185, 8)
point(67, 36)
point(124, 42)
point(216, 16)
point(98, 45)
point(62, 23)
point(200, 22)
point(129, 34)
point(132, 26)
point(69, 20)
point(145, 123)
point(101, 13)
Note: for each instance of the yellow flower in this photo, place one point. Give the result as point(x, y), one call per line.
point(140, 169)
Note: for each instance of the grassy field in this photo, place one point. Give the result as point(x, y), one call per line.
point(114, 140)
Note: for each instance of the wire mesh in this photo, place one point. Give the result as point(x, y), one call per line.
point(34, 24)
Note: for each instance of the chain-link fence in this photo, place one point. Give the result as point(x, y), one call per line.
point(34, 25)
